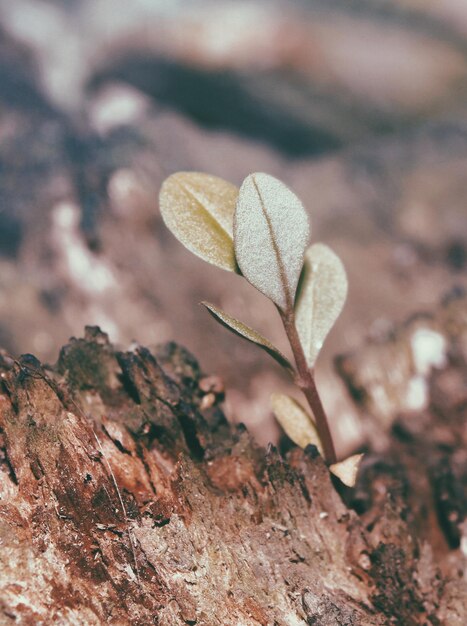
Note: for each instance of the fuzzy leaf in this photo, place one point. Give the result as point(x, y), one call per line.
point(271, 231)
point(321, 296)
point(239, 328)
point(199, 209)
point(347, 469)
point(295, 421)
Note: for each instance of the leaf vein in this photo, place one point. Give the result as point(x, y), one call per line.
point(193, 195)
point(277, 253)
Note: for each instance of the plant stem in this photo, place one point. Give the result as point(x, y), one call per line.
point(306, 383)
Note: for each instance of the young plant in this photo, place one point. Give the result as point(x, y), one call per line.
point(261, 232)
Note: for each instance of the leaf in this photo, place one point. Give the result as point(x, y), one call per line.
point(347, 469)
point(199, 209)
point(295, 421)
point(271, 231)
point(239, 328)
point(321, 296)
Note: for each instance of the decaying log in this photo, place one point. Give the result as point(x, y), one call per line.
point(412, 392)
point(127, 498)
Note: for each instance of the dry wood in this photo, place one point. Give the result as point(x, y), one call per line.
point(124, 501)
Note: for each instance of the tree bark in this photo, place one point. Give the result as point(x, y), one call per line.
point(127, 498)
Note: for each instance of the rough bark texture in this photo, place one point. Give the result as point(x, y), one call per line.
point(126, 498)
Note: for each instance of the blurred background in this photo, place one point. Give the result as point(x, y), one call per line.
point(359, 105)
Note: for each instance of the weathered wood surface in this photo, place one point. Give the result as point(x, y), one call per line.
point(412, 392)
point(126, 498)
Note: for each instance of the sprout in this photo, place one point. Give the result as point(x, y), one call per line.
point(261, 232)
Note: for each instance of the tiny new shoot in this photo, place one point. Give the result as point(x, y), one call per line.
point(261, 231)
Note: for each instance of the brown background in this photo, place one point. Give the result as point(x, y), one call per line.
point(359, 106)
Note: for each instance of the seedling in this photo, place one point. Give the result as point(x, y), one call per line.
point(261, 232)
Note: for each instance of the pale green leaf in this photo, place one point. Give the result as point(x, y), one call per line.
point(199, 209)
point(271, 231)
point(295, 421)
point(239, 328)
point(321, 296)
point(347, 469)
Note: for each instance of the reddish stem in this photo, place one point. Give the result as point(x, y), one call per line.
point(306, 382)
